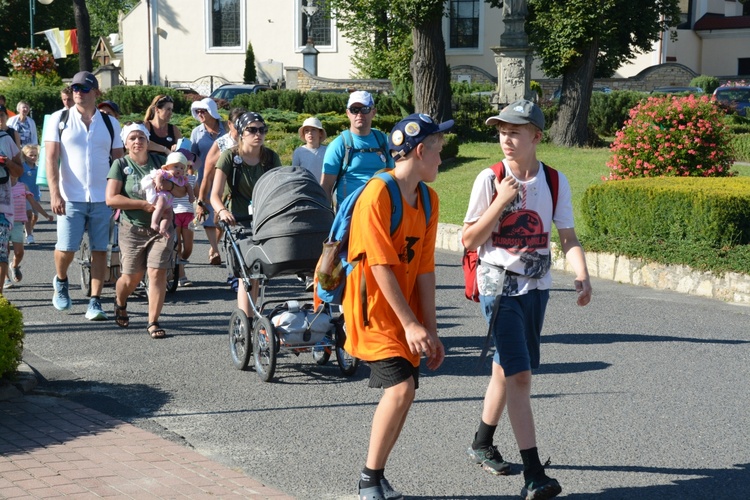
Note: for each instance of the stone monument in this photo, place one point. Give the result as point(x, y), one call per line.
point(514, 56)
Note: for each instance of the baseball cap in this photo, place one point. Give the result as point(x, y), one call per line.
point(412, 130)
point(85, 78)
point(519, 113)
point(314, 123)
point(360, 97)
point(208, 104)
point(174, 158)
point(110, 104)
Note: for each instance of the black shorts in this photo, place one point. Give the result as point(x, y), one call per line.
point(388, 372)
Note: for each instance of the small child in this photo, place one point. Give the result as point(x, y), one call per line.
point(310, 156)
point(30, 157)
point(173, 170)
point(184, 213)
point(21, 195)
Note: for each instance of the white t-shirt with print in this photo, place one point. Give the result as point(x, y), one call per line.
point(520, 242)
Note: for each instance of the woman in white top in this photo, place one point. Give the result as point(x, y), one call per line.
point(24, 124)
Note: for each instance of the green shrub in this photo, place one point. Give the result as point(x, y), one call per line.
point(11, 337)
point(42, 99)
point(609, 112)
point(674, 211)
point(470, 113)
point(465, 88)
point(741, 146)
point(672, 136)
point(450, 147)
point(250, 75)
point(706, 82)
point(135, 99)
point(537, 87)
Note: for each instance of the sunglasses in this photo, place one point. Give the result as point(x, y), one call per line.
point(200, 111)
point(80, 88)
point(255, 130)
point(360, 109)
point(134, 122)
point(163, 100)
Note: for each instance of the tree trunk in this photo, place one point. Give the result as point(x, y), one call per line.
point(571, 126)
point(83, 26)
point(432, 91)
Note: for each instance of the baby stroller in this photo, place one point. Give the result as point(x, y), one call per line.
point(291, 218)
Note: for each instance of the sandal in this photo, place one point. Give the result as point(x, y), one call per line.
point(156, 333)
point(122, 320)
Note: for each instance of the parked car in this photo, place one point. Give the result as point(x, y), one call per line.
point(737, 97)
point(597, 88)
point(677, 90)
point(229, 91)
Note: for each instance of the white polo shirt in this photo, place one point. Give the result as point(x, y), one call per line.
point(84, 154)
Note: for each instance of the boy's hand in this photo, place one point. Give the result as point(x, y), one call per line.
point(420, 341)
point(583, 291)
point(50, 218)
point(507, 189)
point(434, 361)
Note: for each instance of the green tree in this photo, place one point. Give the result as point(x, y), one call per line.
point(378, 28)
point(104, 15)
point(580, 39)
point(250, 76)
point(14, 25)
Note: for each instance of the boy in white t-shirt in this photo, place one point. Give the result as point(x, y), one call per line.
point(509, 222)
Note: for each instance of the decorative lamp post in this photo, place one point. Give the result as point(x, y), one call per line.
point(32, 11)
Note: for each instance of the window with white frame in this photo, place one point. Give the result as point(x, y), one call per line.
point(225, 29)
point(463, 24)
point(314, 20)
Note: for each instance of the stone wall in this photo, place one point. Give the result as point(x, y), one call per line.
point(300, 79)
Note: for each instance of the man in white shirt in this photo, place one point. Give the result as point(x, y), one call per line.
point(81, 144)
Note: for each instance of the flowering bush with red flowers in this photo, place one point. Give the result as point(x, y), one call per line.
point(673, 136)
point(25, 61)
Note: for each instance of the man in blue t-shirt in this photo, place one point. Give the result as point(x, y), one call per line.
point(367, 148)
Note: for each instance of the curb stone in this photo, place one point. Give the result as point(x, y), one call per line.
point(23, 382)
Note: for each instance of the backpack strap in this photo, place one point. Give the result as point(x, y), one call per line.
point(553, 181)
point(63, 122)
point(110, 129)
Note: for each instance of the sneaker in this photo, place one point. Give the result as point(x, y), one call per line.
point(490, 459)
point(16, 274)
point(95, 311)
point(373, 493)
point(234, 283)
point(541, 488)
point(8, 283)
point(30, 239)
point(389, 492)
point(61, 298)
point(184, 281)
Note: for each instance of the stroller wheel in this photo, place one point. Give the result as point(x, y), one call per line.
point(240, 344)
point(264, 348)
point(348, 364)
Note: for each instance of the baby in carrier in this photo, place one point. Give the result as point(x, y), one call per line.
point(173, 170)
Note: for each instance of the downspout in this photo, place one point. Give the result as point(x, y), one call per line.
point(150, 48)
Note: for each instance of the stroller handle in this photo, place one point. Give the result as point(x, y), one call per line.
point(245, 218)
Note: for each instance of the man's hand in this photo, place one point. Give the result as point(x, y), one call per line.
point(57, 204)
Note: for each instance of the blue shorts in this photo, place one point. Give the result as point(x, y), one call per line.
point(4, 239)
point(80, 217)
point(517, 329)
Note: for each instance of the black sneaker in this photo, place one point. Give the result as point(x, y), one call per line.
point(541, 488)
point(490, 459)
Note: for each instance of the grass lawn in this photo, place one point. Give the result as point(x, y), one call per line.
point(582, 167)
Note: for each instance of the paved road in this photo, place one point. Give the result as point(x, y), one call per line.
point(642, 394)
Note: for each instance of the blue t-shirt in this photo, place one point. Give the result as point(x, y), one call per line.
point(29, 178)
point(311, 159)
point(201, 143)
point(362, 165)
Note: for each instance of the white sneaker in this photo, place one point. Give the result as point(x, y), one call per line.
point(30, 239)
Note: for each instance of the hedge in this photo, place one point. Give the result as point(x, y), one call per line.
point(11, 337)
point(672, 210)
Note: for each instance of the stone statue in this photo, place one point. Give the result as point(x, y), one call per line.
point(514, 8)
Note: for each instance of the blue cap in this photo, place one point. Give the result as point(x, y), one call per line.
point(412, 130)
